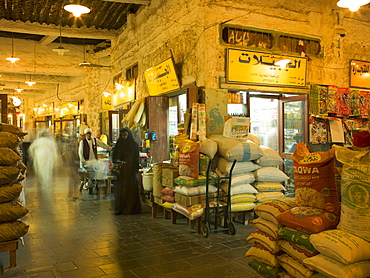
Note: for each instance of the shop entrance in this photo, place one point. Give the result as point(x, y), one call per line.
point(279, 121)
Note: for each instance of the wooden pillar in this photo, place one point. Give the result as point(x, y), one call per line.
point(157, 113)
point(4, 108)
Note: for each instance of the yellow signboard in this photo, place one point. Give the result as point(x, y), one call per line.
point(162, 78)
point(360, 74)
point(106, 102)
point(258, 68)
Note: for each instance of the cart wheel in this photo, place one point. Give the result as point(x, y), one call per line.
point(232, 228)
point(206, 230)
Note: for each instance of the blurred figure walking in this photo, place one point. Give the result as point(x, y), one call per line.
point(45, 156)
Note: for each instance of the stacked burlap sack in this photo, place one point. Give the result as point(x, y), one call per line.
point(345, 251)
point(307, 237)
point(255, 177)
point(269, 177)
point(12, 174)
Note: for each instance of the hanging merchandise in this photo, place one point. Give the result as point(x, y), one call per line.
point(194, 122)
point(318, 130)
point(343, 102)
point(332, 101)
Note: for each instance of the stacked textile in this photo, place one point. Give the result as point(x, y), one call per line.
point(12, 174)
point(243, 194)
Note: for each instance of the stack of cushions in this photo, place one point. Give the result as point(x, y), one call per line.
point(269, 178)
point(243, 195)
point(12, 174)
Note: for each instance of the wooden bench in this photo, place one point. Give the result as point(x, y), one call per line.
point(12, 247)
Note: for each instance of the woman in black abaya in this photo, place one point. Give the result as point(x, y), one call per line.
point(127, 199)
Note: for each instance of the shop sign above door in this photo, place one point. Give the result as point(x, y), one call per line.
point(359, 74)
point(162, 78)
point(258, 68)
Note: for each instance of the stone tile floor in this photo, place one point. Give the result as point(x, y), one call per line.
point(83, 238)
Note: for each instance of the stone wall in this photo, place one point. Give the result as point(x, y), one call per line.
point(190, 30)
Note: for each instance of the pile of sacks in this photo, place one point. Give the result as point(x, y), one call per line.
point(12, 174)
point(256, 177)
point(314, 235)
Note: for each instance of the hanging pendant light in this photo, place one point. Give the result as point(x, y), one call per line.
point(76, 9)
point(84, 63)
point(12, 58)
point(30, 82)
point(60, 49)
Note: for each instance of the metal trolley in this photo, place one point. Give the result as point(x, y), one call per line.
point(212, 214)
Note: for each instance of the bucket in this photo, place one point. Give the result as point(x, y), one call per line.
point(148, 181)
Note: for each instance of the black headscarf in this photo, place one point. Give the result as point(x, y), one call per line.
point(127, 150)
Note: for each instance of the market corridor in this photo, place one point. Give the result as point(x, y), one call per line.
point(83, 238)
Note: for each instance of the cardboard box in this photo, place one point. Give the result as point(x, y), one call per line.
point(168, 175)
point(236, 127)
point(193, 200)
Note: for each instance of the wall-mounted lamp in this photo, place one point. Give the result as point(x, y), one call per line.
point(76, 9)
point(16, 101)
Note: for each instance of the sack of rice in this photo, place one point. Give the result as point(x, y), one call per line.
point(239, 149)
point(8, 157)
point(189, 159)
point(9, 140)
point(314, 179)
point(355, 191)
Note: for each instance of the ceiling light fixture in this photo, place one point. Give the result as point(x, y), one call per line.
point(60, 49)
point(76, 9)
point(30, 82)
point(352, 5)
point(12, 58)
point(282, 63)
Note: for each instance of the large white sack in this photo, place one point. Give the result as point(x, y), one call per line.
point(269, 158)
point(239, 149)
point(208, 147)
point(240, 167)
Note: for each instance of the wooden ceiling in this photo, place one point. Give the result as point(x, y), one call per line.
point(34, 19)
point(45, 22)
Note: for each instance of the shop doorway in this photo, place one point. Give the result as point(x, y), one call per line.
point(280, 122)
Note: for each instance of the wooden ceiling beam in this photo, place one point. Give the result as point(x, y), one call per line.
point(140, 2)
point(53, 30)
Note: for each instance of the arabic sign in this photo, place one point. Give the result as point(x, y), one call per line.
point(359, 74)
point(258, 68)
point(106, 102)
point(123, 92)
point(162, 78)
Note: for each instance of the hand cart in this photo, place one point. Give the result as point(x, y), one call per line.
point(218, 209)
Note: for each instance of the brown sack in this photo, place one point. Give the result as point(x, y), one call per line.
point(10, 192)
point(9, 140)
point(8, 157)
point(11, 211)
point(12, 230)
